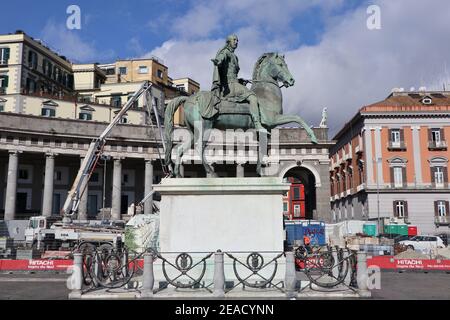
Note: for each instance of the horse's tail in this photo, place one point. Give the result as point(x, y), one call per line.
point(168, 125)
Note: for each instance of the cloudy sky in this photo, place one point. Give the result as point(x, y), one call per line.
point(336, 60)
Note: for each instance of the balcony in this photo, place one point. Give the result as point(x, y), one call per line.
point(442, 221)
point(437, 145)
point(396, 145)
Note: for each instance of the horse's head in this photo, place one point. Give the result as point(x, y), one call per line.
point(272, 65)
point(281, 72)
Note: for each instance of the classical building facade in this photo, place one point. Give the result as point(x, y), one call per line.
point(390, 161)
point(40, 160)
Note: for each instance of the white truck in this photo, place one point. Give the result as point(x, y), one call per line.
point(45, 233)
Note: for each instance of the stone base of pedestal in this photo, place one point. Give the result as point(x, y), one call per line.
point(228, 214)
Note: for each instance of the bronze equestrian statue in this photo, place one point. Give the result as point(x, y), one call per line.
point(231, 105)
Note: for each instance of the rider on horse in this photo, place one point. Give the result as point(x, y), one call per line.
point(226, 84)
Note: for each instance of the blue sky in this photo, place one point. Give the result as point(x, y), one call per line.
point(336, 60)
point(124, 29)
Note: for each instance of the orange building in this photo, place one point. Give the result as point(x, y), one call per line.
point(390, 161)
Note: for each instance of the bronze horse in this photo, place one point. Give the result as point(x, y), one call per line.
point(269, 70)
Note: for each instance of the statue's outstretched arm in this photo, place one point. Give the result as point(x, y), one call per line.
point(219, 59)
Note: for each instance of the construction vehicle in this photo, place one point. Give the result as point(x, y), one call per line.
point(43, 234)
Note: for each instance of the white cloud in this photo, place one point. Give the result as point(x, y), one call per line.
point(350, 67)
point(70, 44)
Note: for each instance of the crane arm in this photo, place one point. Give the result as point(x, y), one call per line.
point(93, 155)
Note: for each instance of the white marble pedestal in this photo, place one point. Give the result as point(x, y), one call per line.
point(230, 214)
point(235, 215)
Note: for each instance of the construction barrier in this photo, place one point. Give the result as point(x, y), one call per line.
point(35, 265)
point(383, 262)
point(388, 262)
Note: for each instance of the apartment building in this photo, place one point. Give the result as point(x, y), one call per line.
point(34, 80)
point(186, 85)
point(390, 162)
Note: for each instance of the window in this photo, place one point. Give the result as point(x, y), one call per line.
point(395, 136)
point(85, 116)
point(94, 177)
point(116, 100)
point(4, 81)
point(143, 70)
point(344, 182)
point(436, 135)
point(441, 209)
point(58, 176)
point(2, 106)
point(32, 59)
point(109, 71)
point(122, 70)
point(181, 87)
point(30, 85)
point(361, 170)
point(4, 55)
point(47, 68)
point(296, 211)
point(400, 209)
point(398, 177)
point(285, 207)
point(124, 119)
point(56, 73)
point(439, 176)
point(70, 81)
point(296, 193)
point(159, 73)
point(23, 174)
point(441, 212)
point(350, 177)
point(48, 112)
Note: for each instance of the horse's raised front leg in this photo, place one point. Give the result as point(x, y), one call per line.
point(284, 119)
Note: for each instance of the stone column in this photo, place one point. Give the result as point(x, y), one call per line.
point(361, 273)
point(148, 186)
point(148, 278)
point(323, 194)
point(82, 208)
point(240, 172)
point(117, 190)
point(75, 281)
point(290, 277)
point(219, 275)
point(11, 186)
point(47, 201)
